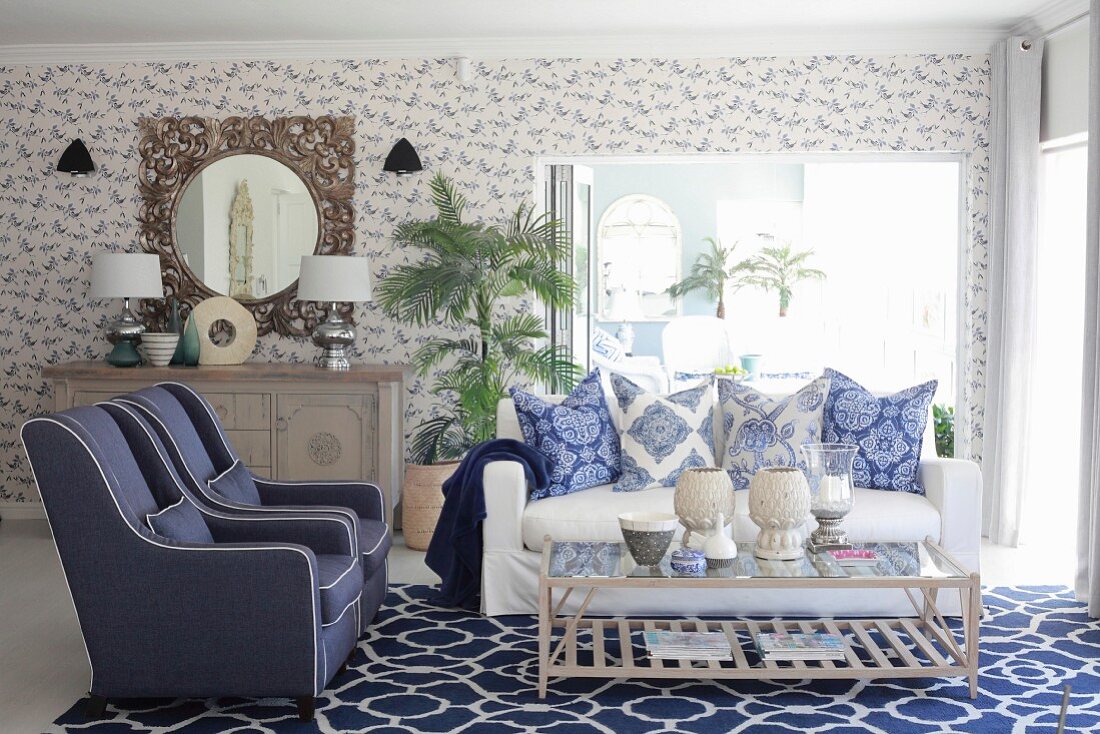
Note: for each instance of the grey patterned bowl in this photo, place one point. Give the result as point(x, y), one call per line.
point(648, 535)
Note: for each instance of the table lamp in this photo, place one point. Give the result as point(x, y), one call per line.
point(125, 275)
point(334, 279)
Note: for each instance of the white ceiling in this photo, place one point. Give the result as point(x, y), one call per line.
point(481, 27)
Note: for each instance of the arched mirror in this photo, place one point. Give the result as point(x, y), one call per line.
point(638, 243)
point(231, 207)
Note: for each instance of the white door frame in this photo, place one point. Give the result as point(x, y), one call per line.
point(962, 158)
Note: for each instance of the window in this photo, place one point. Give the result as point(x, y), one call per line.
point(639, 248)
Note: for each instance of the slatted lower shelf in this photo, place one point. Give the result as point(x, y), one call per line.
point(874, 648)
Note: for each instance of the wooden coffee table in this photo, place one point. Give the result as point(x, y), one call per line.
point(904, 647)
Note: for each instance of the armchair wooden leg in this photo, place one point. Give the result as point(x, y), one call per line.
point(96, 706)
point(306, 706)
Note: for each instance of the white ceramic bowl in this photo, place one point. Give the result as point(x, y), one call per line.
point(653, 522)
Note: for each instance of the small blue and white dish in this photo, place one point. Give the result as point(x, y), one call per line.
point(689, 562)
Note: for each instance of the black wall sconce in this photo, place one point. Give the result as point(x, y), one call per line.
point(402, 159)
point(76, 160)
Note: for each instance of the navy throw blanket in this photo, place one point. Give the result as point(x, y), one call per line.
point(455, 549)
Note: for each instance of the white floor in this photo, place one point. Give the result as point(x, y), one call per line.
point(44, 669)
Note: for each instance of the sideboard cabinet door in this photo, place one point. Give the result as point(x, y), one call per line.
point(326, 436)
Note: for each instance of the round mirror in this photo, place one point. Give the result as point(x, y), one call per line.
point(243, 224)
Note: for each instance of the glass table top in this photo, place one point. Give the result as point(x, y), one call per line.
point(587, 559)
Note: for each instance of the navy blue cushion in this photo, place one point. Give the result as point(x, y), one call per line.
point(889, 431)
point(341, 581)
point(236, 484)
point(374, 545)
point(577, 436)
point(181, 521)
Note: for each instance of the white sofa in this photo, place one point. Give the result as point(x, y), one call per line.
point(513, 532)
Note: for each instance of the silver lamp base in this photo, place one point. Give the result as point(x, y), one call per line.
point(334, 336)
point(125, 326)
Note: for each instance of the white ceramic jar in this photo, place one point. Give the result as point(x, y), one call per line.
point(779, 503)
point(701, 495)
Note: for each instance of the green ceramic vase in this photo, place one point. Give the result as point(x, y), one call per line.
point(190, 343)
point(175, 325)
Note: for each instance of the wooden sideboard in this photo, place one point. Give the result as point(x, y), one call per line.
point(286, 421)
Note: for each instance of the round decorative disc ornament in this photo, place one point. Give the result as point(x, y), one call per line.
point(227, 331)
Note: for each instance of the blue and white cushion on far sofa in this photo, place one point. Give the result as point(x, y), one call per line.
point(662, 435)
point(887, 429)
point(577, 435)
point(606, 346)
point(610, 356)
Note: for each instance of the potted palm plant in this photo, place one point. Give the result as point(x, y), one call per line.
point(779, 269)
point(466, 272)
point(712, 272)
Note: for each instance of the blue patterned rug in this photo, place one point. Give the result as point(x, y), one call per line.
point(425, 669)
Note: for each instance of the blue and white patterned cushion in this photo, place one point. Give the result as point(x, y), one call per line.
point(764, 432)
point(577, 435)
point(607, 346)
point(888, 430)
point(663, 434)
point(692, 377)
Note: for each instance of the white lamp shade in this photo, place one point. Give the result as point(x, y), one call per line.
point(126, 275)
point(334, 279)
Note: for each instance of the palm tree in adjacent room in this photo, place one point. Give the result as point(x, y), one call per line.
point(712, 272)
point(778, 269)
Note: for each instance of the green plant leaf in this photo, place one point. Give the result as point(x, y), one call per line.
point(448, 202)
point(461, 273)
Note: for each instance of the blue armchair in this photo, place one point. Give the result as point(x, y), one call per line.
point(260, 611)
point(197, 443)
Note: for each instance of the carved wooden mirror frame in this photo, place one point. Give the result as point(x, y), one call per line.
point(175, 149)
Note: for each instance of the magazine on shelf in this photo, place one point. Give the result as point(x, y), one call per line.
point(816, 646)
point(663, 644)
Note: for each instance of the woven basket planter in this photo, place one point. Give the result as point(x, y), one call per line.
point(421, 501)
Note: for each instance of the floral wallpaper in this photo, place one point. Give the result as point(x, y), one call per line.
point(485, 133)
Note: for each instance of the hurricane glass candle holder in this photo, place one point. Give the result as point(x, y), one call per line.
point(829, 473)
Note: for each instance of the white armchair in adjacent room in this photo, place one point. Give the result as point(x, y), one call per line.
point(694, 346)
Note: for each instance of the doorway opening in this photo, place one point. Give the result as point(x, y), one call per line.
point(875, 286)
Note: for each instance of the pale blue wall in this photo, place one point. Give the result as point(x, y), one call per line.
point(692, 190)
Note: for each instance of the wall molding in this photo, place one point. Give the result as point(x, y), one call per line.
point(22, 511)
point(930, 40)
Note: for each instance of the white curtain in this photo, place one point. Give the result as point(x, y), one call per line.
point(1014, 142)
point(1088, 515)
